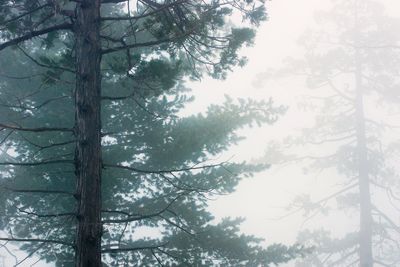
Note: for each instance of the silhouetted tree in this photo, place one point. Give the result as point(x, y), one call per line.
point(352, 63)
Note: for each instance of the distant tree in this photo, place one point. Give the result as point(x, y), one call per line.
point(94, 152)
point(351, 64)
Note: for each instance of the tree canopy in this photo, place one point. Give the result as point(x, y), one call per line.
point(94, 152)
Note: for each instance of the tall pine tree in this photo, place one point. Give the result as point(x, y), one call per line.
point(94, 152)
point(351, 65)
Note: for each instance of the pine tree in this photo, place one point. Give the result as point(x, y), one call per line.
point(351, 64)
point(94, 152)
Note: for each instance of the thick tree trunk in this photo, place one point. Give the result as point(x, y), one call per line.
point(88, 133)
point(365, 241)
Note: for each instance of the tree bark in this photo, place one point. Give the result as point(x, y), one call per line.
point(88, 133)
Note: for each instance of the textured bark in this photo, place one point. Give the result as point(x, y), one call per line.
point(365, 241)
point(88, 133)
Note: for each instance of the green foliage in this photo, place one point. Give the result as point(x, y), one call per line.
point(159, 169)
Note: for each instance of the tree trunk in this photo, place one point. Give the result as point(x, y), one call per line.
point(88, 134)
point(365, 241)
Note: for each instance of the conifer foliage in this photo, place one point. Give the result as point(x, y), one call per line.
point(94, 154)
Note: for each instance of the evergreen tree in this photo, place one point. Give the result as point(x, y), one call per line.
point(94, 152)
point(351, 63)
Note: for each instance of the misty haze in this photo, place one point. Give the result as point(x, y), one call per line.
point(200, 133)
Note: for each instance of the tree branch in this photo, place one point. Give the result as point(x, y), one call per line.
point(141, 217)
point(44, 65)
point(387, 219)
point(150, 43)
point(37, 240)
point(25, 14)
point(136, 45)
point(159, 9)
point(128, 249)
point(113, 1)
point(39, 129)
point(45, 162)
point(105, 165)
point(42, 191)
point(48, 215)
point(32, 34)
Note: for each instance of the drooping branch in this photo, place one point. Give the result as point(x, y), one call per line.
point(32, 34)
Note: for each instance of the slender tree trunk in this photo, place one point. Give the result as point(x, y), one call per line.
point(365, 236)
point(88, 133)
point(366, 259)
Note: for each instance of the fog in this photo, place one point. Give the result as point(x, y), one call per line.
point(296, 195)
point(333, 183)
